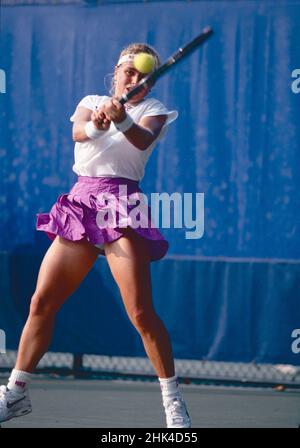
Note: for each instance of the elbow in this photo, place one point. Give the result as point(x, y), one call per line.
point(77, 138)
point(145, 147)
point(144, 143)
point(78, 133)
point(147, 143)
point(74, 135)
point(141, 146)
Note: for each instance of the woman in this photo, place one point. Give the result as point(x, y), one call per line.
point(113, 144)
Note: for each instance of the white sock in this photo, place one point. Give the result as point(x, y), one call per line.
point(19, 381)
point(169, 389)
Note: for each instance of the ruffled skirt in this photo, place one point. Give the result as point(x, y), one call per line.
point(98, 209)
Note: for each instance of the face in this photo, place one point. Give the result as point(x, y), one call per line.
point(127, 77)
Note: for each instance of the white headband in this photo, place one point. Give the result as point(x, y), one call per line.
point(126, 58)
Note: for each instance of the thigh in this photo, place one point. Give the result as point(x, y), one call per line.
point(63, 268)
point(129, 262)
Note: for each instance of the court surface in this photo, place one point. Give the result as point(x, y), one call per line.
point(69, 403)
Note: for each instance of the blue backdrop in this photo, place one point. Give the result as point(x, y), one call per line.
point(234, 293)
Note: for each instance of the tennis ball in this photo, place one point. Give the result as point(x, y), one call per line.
point(144, 62)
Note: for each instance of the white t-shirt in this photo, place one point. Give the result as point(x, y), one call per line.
point(112, 154)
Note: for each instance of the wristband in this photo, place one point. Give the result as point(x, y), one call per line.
point(125, 124)
point(92, 132)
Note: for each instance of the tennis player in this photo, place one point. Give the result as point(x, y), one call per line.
point(113, 145)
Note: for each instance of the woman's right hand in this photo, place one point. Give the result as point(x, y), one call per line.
point(100, 121)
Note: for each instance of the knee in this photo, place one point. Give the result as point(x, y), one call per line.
point(41, 305)
point(143, 320)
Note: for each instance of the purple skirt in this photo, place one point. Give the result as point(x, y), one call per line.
point(98, 209)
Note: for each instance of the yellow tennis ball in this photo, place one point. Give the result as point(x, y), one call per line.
point(144, 62)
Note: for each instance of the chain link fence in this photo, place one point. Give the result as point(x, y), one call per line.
point(78, 2)
point(189, 371)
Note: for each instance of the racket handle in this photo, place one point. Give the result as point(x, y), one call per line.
point(123, 99)
point(137, 89)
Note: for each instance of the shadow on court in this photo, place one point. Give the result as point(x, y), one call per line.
point(69, 403)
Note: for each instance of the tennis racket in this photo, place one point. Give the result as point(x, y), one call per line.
point(181, 53)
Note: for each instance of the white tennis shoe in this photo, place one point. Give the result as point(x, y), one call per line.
point(177, 414)
point(13, 404)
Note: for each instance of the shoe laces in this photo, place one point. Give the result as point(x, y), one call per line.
point(177, 410)
point(3, 391)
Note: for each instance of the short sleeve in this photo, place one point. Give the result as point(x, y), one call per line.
point(89, 102)
point(155, 107)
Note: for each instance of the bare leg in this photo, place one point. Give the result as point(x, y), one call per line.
point(63, 268)
point(130, 266)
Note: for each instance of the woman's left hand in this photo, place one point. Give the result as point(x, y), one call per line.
point(114, 111)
